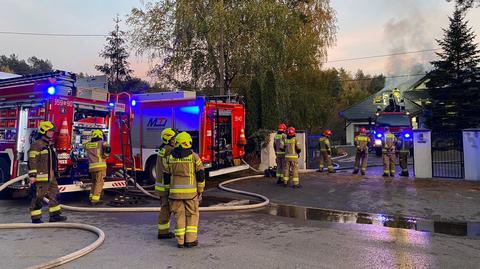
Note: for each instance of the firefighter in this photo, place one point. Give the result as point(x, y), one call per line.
point(404, 146)
point(185, 173)
point(326, 151)
point(97, 151)
point(292, 150)
point(388, 153)
point(42, 163)
point(168, 143)
point(278, 144)
point(362, 142)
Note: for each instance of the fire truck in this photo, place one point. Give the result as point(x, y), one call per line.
point(395, 118)
point(27, 100)
point(216, 124)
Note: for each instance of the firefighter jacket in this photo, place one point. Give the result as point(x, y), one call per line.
point(404, 145)
point(362, 142)
point(97, 151)
point(160, 186)
point(185, 173)
point(42, 160)
point(389, 141)
point(325, 144)
point(291, 148)
point(279, 143)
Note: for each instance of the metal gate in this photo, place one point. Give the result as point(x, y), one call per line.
point(447, 154)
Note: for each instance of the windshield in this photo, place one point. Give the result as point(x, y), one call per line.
point(393, 120)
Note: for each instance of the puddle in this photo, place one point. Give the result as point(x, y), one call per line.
point(469, 229)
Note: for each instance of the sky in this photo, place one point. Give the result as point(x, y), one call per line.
point(365, 28)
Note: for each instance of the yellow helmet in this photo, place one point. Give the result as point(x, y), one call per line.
point(184, 140)
point(97, 134)
point(167, 134)
point(45, 126)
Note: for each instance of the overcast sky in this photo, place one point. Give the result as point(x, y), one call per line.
point(365, 28)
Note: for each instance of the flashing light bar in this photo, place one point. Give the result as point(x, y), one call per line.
point(51, 90)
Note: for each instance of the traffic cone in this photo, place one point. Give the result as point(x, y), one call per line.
point(242, 141)
point(63, 139)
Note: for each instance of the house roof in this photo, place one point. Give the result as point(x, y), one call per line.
point(367, 108)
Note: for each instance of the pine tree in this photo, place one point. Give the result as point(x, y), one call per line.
point(453, 84)
point(270, 112)
point(117, 69)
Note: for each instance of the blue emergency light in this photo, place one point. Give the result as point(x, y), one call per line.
point(51, 90)
point(379, 135)
point(190, 109)
point(111, 104)
point(134, 102)
point(407, 135)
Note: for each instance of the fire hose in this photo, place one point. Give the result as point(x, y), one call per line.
point(101, 235)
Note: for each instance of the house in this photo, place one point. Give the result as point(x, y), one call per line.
point(413, 92)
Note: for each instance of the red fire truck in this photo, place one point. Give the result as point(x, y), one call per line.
point(27, 100)
point(216, 124)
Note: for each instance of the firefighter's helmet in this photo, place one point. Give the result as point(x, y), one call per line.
point(97, 133)
point(282, 127)
point(327, 133)
point(291, 131)
point(45, 126)
point(363, 130)
point(183, 140)
point(167, 134)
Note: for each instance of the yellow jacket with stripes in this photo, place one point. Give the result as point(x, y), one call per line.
point(163, 153)
point(96, 154)
point(185, 172)
point(42, 160)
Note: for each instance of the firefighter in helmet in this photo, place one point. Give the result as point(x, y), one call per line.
point(185, 173)
point(42, 163)
point(292, 150)
point(326, 151)
point(388, 153)
point(278, 144)
point(362, 143)
point(97, 151)
point(168, 144)
point(403, 146)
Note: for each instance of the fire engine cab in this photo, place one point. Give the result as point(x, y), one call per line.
point(216, 124)
point(27, 100)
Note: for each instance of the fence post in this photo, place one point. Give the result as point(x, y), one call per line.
point(422, 153)
point(471, 153)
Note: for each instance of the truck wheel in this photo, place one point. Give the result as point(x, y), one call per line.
point(4, 177)
point(150, 171)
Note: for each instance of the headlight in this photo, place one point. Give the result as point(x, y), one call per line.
point(378, 142)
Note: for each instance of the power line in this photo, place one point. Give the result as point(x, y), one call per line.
point(382, 55)
point(51, 34)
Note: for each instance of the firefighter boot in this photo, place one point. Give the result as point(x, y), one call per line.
point(403, 174)
point(355, 171)
point(386, 175)
point(37, 221)
point(280, 181)
point(332, 171)
point(298, 186)
point(192, 244)
point(57, 218)
point(166, 236)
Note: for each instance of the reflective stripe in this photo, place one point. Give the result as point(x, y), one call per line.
point(33, 154)
point(164, 226)
point(280, 153)
point(97, 165)
point(54, 209)
point(32, 171)
point(193, 190)
point(95, 198)
point(180, 231)
point(45, 151)
point(160, 188)
point(42, 177)
point(36, 212)
point(362, 138)
point(201, 184)
point(386, 171)
point(199, 162)
point(295, 179)
point(191, 229)
point(292, 157)
point(390, 136)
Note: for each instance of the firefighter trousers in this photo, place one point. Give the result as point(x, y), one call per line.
point(98, 178)
point(291, 171)
point(389, 163)
point(403, 161)
point(41, 190)
point(325, 158)
point(361, 159)
point(280, 160)
point(164, 217)
point(187, 215)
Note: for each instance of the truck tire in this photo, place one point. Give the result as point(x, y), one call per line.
point(150, 170)
point(4, 177)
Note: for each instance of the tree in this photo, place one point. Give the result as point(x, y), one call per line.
point(210, 44)
point(117, 68)
point(466, 4)
point(454, 82)
point(22, 67)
